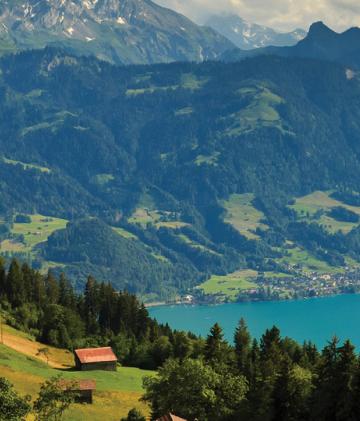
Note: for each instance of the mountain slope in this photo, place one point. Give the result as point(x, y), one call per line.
point(326, 44)
point(320, 43)
point(190, 169)
point(126, 31)
point(116, 393)
point(247, 36)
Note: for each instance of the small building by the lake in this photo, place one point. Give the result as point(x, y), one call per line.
point(83, 388)
point(95, 359)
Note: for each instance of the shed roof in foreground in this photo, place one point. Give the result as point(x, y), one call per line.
point(95, 355)
point(170, 417)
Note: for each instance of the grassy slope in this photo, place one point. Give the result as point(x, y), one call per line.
point(148, 213)
point(242, 215)
point(26, 166)
point(36, 232)
point(260, 112)
point(124, 233)
point(298, 256)
point(116, 392)
point(230, 285)
point(144, 216)
point(195, 245)
point(307, 206)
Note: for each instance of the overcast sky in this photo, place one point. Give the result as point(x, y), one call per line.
point(279, 14)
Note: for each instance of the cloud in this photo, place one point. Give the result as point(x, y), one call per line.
point(280, 14)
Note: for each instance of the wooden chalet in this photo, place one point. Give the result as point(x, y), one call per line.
point(83, 388)
point(170, 417)
point(95, 359)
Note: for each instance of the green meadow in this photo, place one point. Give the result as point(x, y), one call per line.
point(116, 392)
point(306, 262)
point(243, 216)
point(32, 234)
point(261, 111)
point(313, 208)
point(229, 286)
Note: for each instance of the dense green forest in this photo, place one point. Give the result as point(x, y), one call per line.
point(157, 160)
point(274, 379)
point(55, 314)
point(270, 379)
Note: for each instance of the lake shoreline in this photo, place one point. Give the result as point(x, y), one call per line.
point(308, 319)
point(215, 304)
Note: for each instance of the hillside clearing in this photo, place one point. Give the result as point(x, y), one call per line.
point(229, 286)
point(116, 392)
point(37, 231)
point(301, 258)
point(27, 166)
point(313, 208)
point(243, 216)
point(261, 111)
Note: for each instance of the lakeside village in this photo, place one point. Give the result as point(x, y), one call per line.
point(292, 287)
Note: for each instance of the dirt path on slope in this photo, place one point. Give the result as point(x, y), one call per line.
point(57, 358)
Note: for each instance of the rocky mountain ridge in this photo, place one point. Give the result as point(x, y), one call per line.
point(119, 31)
point(247, 35)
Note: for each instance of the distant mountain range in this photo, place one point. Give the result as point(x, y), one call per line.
point(248, 36)
point(320, 43)
point(126, 31)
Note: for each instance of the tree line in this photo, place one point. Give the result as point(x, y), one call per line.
point(275, 379)
point(50, 309)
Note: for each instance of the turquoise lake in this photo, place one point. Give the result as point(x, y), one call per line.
point(316, 319)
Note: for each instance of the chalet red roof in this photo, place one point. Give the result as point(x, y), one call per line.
point(170, 417)
point(95, 355)
point(84, 384)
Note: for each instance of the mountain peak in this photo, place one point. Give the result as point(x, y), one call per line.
point(119, 31)
point(319, 28)
point(247, 35)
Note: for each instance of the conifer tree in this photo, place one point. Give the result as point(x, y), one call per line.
point(52, 289)
point(66, 293)
point(91, 305)
point(242, 341)
point(216, 349)
point(345, 375)
point(15, 285)
point(3, 285)
point(38, 290)
point(27, 274)
point(324, 407)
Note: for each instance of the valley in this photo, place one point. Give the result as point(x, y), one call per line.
point(177, 176)
point(179, 212)
point(297, 271)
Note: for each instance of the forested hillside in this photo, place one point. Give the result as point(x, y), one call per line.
point(190, 170)
point(49, 309)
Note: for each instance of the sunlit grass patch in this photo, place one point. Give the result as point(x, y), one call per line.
point(230, 285)
point(243, 216)
point(314, 207)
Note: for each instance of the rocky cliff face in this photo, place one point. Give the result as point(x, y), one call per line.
point(120, 31)
point(247, 35)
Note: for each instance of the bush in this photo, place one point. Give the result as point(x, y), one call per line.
point(134, 415)
point(22, 219)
